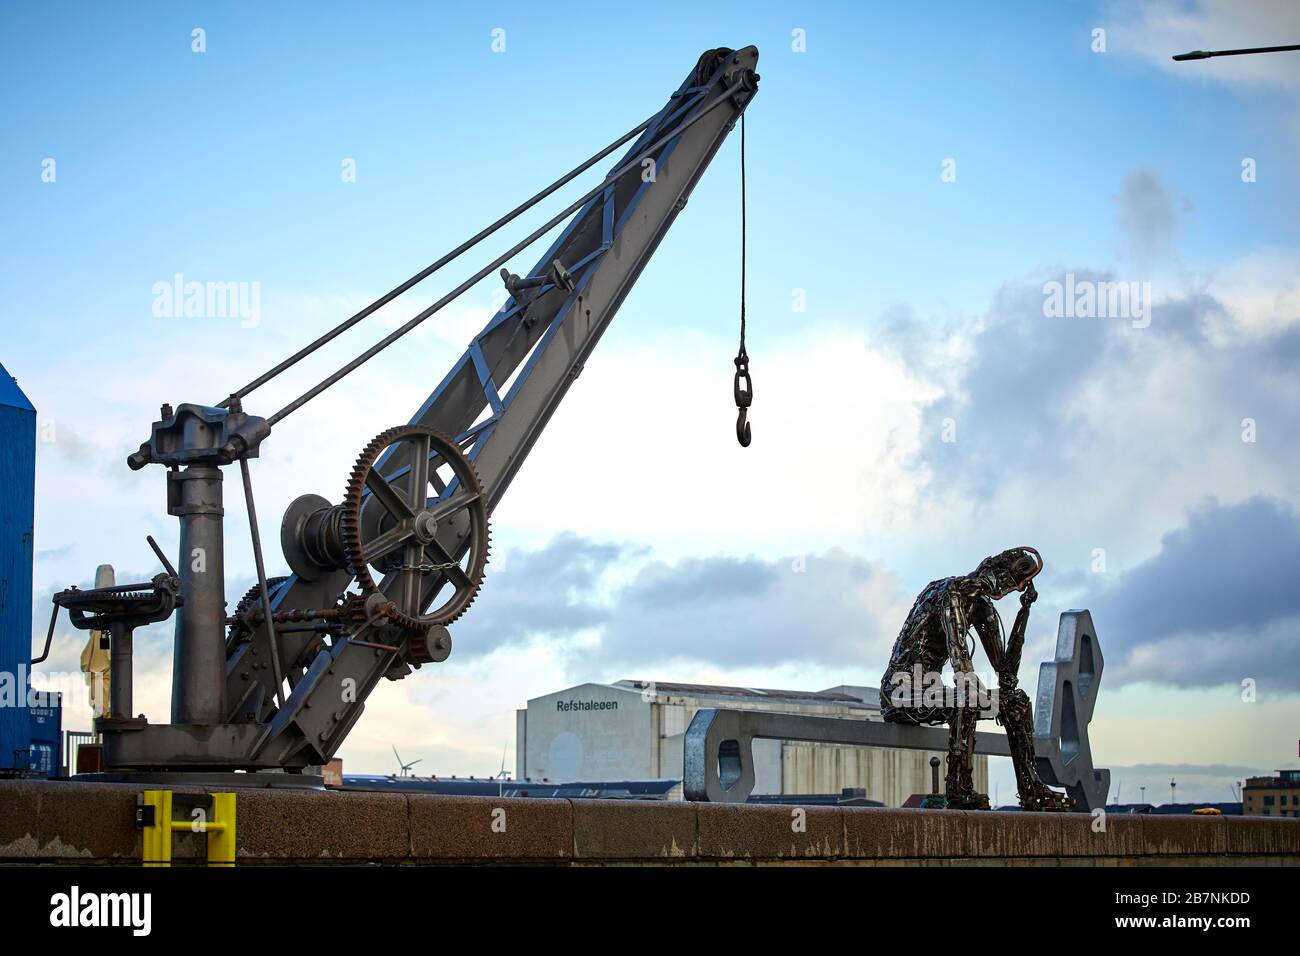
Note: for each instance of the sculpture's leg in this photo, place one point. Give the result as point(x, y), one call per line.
point(960, 786)
point(1016, 714)
point(963, 718)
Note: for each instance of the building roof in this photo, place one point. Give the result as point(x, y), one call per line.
point(1285, 779)
point(488, 787)
point(869, 695)
point(1227, 809)
point(10, 394)
point(843, 694)
point(842, 799)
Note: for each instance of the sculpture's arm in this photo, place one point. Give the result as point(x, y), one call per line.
point(955, 626)
point(1016, 641)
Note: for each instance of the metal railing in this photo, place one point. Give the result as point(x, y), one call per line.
point(72, 740)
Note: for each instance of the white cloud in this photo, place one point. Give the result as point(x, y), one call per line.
point(644, 447)
point(1261, 292)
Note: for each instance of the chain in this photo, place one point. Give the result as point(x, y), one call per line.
point(427, 567)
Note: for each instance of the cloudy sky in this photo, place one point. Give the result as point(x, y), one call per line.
point(917, 179)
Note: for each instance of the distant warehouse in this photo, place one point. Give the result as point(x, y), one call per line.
point(633, 730)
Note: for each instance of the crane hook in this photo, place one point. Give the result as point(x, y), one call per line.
point(743, 389)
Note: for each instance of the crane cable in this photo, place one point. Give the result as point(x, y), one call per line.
point(613, 178)
point(743, 387)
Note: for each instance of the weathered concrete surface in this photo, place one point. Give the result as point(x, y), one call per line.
point(487, 830)
point(904, 834)
point(76, 822)
point(632, 830)
point(311, 825)
point(738, 831)
point(60, 822)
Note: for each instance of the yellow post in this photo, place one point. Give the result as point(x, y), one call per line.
point(218, 826)
point(158, 836)
point(221, 830)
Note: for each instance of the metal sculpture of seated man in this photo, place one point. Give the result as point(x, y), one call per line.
point(936, 630)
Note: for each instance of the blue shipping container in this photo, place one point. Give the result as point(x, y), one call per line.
point(17, 500)
point(46, 730)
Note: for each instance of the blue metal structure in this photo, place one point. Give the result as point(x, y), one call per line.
point(17, 506)
point(45, 729)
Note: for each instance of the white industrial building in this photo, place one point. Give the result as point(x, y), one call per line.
point(633, 730)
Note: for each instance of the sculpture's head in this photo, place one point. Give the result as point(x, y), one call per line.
point(1011, 570)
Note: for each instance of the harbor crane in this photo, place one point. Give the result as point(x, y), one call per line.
point(378, 575)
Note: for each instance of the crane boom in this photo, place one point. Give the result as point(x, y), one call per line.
point(581, 281)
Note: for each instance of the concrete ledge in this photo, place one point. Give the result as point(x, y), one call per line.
point(738, 831)
point(1019, 835)
point(276, 824)
point(632, 830)
point(67, 821)
point(59, 822)
point(487, 829)
point(1185, 833)
point(903, 834)
point(1262, 835)
point(1121, 837)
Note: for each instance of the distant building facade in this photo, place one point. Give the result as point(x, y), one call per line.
point(1272, 796)
point(633, 730)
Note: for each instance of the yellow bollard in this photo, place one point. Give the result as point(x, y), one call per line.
point(221, 830)
point(218, 825)
point(158, 835)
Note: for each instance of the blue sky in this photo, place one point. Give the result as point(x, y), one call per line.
point(222, 162)
point(225, 166)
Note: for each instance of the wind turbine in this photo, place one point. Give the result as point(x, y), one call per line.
point(404, 768)
point(502, 776)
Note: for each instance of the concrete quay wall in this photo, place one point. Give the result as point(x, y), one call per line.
point(45, 822)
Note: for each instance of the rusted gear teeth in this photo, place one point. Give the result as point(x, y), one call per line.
point(355, 613)
point(479, 540)
point(248, 612)
point(417, 649)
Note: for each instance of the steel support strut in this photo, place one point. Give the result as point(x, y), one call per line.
point(199, 666)
point(121, 650)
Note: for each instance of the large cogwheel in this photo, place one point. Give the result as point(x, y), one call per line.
point(415, 511)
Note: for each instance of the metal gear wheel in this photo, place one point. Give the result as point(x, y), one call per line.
point(422, 522)
point(240, 630)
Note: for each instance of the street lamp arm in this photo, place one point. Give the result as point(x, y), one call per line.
point(1206, 54)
